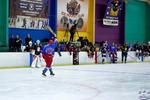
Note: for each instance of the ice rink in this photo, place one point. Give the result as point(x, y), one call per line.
point(83, 82)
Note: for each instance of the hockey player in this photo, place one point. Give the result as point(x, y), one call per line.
point(113, 52)
point(104, 53)
point(48, 54)
point(124, 50)
point(37, 55)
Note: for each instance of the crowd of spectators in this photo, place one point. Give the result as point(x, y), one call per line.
point(81, 44)
point(143, 48)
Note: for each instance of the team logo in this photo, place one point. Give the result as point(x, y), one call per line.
point(115, 7)
point(73, 7)
point(31, 6)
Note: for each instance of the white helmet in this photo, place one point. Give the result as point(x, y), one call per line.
point(38, 42)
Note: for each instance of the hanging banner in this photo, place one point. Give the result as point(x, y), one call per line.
point(113, 11)
point(72, 12)
point(29, 14)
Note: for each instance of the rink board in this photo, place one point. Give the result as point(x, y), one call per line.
point(14, 59)
point(24, 59)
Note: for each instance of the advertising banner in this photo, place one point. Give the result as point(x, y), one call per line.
point(72, 12)
point(29, 14)
point(113, 11)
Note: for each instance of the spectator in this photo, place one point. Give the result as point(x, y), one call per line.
point(27, 39)
point(136, 46)
point(62, 47)
point(86, 48)
point(149, 47)
point(148, 43)
point(29, 47)
point(57, 49)
point(131, 48)
point(105, 44)
point(92, 49)
point(18, 42)
point(84, 42)
point(12, 44)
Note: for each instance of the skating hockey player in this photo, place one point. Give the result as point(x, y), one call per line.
point(124, 50)
point(36, 62)
point(48, 54)
point(113, 53)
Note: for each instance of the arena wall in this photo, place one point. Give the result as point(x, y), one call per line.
point(110, 33)
point(23, 59)
point(4, 25)
point(137, 22)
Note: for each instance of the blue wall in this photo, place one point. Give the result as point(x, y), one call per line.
point(39, 34)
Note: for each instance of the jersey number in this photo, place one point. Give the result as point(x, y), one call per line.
point(50, 51)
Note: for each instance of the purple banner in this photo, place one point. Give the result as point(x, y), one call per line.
point(113, 11)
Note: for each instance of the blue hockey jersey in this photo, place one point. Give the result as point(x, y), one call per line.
point(50, 49)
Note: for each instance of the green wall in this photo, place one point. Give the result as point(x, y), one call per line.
point(148, 23)
point(4, 25)
point(137, 22)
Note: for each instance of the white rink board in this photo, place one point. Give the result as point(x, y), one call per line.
point(23, 59)
point(131, 57)
point(83, 58)
point(14, 59)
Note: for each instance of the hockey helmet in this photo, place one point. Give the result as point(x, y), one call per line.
point(38, 42)
point(51, 42)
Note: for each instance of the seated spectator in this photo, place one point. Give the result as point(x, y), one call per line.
point(85, 48)
point(12, 44)
point(131, 48)
point(18, 42)
point(84, 42)
point(62, 47)
point(136, 46)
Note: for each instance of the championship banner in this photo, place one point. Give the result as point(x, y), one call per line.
point(72, 12)
point(113, 11)
point(29, 14)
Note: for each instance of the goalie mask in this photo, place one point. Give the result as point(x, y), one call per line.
point(38, 42)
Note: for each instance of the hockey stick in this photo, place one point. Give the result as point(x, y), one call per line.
point(50, 29)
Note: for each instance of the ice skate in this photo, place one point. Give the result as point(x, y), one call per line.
point(43, 73)
point(51, 73)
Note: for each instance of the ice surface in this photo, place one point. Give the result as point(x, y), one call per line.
point(84, 82)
